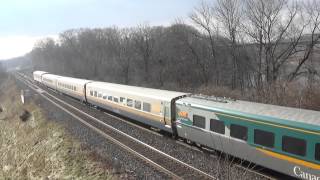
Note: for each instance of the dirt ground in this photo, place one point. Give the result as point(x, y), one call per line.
point(35, 148)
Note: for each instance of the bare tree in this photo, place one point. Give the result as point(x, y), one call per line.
point(2, 69)
point(312, 11)
point(229, 13)
point(203, 17)
point(73, 52)
point(44, 54)
point(275, 35)
point(144, 43)
point(126, 53)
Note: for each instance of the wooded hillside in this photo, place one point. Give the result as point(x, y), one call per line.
point(266, 51)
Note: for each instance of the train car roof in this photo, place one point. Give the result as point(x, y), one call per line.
point(267, 112)
point(52, 76)
point(74, 80)
point(39, 72)
point(138, 91)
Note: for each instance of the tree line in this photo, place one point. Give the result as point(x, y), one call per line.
point(3, 73)
point(257, 49)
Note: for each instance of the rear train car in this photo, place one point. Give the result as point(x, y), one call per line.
point(280, 138)
point(73, 87)
point(37, 76)
point(150, 106)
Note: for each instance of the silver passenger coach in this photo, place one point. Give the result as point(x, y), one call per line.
point(150, 106)
point(73, 87)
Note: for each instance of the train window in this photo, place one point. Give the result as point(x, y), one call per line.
point(317, 152)
point(217, 126)
point(91, 93)
point(75, 88)
point(115, 99)
point(146, 107)
point(199, 121)
point(99, 95)
point(95, 93)
point(129, 102)
point(122, 99)
point(294, 145)
point(239, 132)
point(110, 98)
point(264, 138)
point(137, 104)
point(104, 97)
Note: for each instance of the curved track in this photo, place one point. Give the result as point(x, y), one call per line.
point(172, 167)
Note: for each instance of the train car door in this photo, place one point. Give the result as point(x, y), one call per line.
point(166, 113)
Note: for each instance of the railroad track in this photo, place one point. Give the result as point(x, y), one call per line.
point(172, 167)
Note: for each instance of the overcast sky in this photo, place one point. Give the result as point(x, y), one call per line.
point(23, 22)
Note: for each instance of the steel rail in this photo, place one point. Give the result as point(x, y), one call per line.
point(171, 174)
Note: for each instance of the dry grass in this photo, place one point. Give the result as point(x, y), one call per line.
point(39, 149)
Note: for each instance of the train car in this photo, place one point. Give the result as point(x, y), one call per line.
point(50, 80)
point(150, 106)
point(37, 76)
point(280, 138)
point(73, 87)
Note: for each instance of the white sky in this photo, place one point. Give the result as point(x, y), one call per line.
point(23, 22)
point(14, 46)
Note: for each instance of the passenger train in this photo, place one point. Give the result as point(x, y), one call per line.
point(283, 139)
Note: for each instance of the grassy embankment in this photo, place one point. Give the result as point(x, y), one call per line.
point(38, 148)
